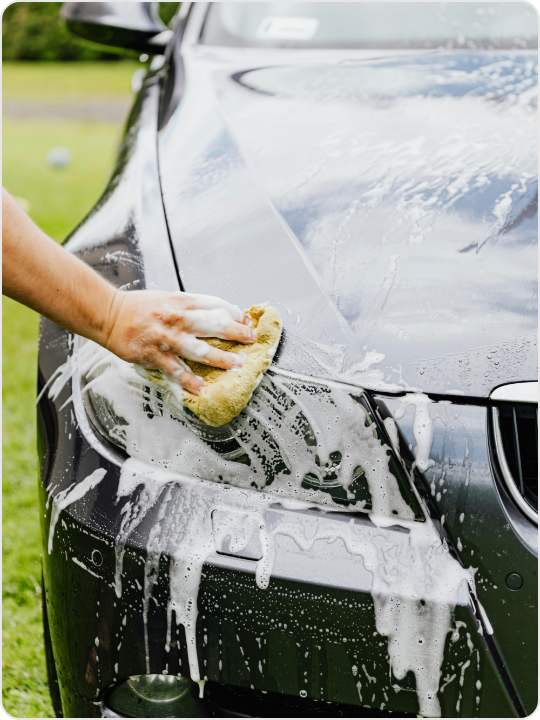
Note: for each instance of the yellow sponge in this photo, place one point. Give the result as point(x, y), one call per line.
point(227, 392)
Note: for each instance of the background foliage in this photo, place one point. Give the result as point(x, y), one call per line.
point(34, 31)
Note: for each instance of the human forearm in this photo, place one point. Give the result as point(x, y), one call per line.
point(150, 328)
point(42, 275)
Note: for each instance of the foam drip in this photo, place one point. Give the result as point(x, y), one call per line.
point(69, 496)
point(184, 531)
point(271, 432)
point(422, 427)
point(415, 580)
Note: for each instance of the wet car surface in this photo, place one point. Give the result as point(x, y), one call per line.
point(354, 537)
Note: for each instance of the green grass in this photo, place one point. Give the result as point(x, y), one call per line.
point(66, 82)
point(25, 692)
point(58, 199)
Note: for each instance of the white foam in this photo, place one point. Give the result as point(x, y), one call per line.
point(209, 302)
point(70, 495)
point(391, 429)
point(167, 439)
point(422, 427)
point(59, 378)
point(415, 580)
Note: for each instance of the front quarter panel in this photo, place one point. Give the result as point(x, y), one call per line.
point(307, 634)
point(486, 530)
point(124, 238)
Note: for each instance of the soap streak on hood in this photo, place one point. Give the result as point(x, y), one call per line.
point(405, 190)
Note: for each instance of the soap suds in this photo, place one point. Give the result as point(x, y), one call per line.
point(175, 458)
point(289, 430)
point(422, 427)
point(415, 586)
point(70, 495)
point(225, 394)
point(391, 429)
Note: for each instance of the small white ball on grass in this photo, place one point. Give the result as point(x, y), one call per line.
point(59, 157)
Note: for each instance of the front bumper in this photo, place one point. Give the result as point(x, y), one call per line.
point(311, 634)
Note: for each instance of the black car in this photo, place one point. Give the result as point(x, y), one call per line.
point(362, 539)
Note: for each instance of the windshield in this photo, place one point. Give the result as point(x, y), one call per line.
point(400, 25)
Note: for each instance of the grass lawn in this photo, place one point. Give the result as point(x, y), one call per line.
point(67, 81)
point(57, 200)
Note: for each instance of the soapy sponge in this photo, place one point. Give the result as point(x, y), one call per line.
point(227, 392)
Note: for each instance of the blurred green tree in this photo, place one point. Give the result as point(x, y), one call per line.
point(35, 31)
point(167, 11)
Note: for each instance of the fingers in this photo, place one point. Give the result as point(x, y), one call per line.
point(217, 323)
point(176, 369)
point(206, 323)
point(240, 333)
point(191, 348)
point(225, 360)
point(209, 302)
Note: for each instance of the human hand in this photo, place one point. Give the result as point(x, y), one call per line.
point(157, 329)
point(148, 328)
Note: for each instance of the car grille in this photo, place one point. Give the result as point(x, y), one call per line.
point(517, 432)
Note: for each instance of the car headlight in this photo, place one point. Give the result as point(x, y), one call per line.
point(298, 438)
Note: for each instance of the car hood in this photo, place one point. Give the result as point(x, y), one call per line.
point(387, 206)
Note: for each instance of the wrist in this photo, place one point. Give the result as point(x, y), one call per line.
point(106, 331)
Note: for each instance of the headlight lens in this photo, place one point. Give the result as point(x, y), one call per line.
point(155, 696)
point(296, 438)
